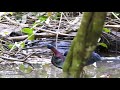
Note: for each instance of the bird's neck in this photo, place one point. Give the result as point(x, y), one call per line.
point(55, 51)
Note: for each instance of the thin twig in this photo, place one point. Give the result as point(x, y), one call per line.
point(115, 16)
point(28, 56)
point(11, 59)
point(66, 18)
point(105, 39)
point(116, 31)
point(54, 32)
point(15, 23)
point(58, 29)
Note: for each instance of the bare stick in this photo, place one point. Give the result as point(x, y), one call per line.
point(11, 59)
point(115, 16)
point(16, 23)
point(28, 56)
point(54, 32)
point(58, 29)
point(112, 26)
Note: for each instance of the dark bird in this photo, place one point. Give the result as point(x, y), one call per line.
point(58, 58)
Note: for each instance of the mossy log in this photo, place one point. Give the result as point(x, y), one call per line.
point(83, 43)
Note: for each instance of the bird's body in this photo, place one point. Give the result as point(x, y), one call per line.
point(58, 58)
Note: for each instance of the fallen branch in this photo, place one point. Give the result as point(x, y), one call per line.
point(12, 59)
point(38, 35)
point(18, 38)
point(112, 26)
point(115, 16)
point(49, 31)
point(52, 33)
point(16, 23)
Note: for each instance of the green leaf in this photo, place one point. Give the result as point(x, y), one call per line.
point(106, 30)
point(103, 44)
point(28, 31)
point(22, 44)
point(25, 68)
point(43, 18)
point(10, 46)
point(22, 67)
point(6, 33)
point(31, 37)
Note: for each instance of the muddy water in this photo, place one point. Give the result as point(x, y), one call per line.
point(47, 70)
point(42, 69)
point(104, 69)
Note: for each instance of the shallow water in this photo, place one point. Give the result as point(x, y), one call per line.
point(43, 69)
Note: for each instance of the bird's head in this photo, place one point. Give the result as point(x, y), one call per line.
point(49, 46)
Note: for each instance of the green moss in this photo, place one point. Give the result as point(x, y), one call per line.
point(84, 43)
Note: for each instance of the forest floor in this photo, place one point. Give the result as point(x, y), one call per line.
point(41, 63)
